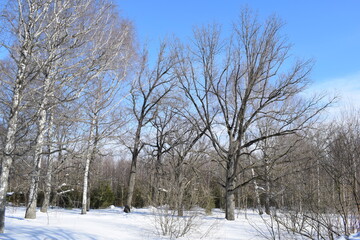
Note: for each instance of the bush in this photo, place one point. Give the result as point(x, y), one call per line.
point(210, 204)
point(16, 198)
point(139, 200)
point(102, 196)
point(167, 223)
point(68, 197)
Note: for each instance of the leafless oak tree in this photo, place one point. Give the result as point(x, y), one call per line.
point(236, 83)
point(149, 88)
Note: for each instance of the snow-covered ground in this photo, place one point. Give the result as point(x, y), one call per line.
point(113, 223)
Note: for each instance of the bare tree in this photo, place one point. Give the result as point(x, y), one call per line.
point(341, 164)
point(239, 83)
point(92, 41)
point(149, 88)
point(163, 124)
point(57, 47)
point(184, 161)
point(24, 27)
point(103, 93)
point(271, 160)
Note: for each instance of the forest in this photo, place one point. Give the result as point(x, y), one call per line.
point(89, 118)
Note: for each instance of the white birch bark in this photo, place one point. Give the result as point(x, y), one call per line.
point(50, 158)
point(35, 175)
point(20, 84)
point(7, 158)
point(257, 195)
point(89, 153)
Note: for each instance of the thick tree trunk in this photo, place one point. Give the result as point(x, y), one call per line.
point(230, 184)
point(257, 196)
point(132, 177)
point(230, 205)
point(32, 199)
point(47, 191)
point(48, 177)
point(33, 193)
point(157, 180)
point(229, 193)
point(35, 176)
point(180, 204)
point(132, 180)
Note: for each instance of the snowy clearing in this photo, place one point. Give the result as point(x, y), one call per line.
point(113, 223)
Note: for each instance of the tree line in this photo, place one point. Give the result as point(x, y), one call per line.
point(89, 118)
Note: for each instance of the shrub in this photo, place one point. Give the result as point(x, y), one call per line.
point(102, 196)
point(67, 197)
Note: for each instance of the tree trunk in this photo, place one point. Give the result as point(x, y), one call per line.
point(230, 185)
point(31, 206)
point(32, 199)
point(180, 209)
point(157, 180)
point(132, 180)
point(230, 205)
point(48, 177)
point(229, 194)
point(35, 177)
point(267, 189)
point(256, 188)
point(179, 178)
point(267, 198)
point(89, 187)
point(132, 177)
point(257, 196)
point(179, 201)
point(7, 159)
point(87, 166)
point(47, 192)
point(85, 185)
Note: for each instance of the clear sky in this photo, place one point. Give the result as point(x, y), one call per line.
point(326, 30)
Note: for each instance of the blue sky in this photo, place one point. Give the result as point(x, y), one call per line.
point(327, 31)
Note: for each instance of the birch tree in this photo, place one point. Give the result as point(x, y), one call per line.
point(103, 95)
point(65, 18)
point(24, 28)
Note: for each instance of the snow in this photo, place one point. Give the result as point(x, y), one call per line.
point(355, 236)
point(113, 223)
